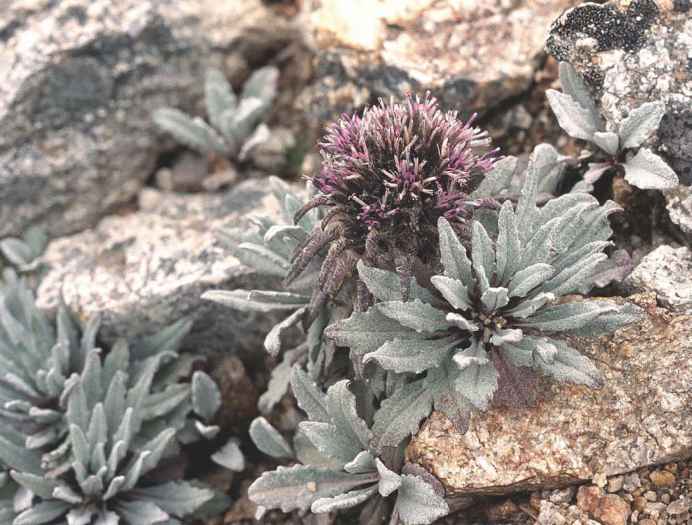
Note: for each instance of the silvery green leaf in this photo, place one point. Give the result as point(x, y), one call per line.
point(440, 381)
point(343, 501)
point(620, 315)
point(482, 255)
point(16, 251)
point(607, 141)
point(38, 485)
point(508, 246)
point(477, 379)
point(641, 123)
point(577, 277)
point(568, 365)
point(298, 487)
point(262, 84)
point(43, 512)
point(261, 135)
point(529, 278)
point(140, 512)
point(595, 171)
point(262, 259)
point(573, 85)
point(541, 162)
point(192, 132)
point(411, 355)
point(567, 316)
point(331, 443)
point(416, 314)
point(453, 290)
point(362, 463)
point(268, 440)
point(230, 456)
point(243, 121)
point(648, 171)
point(577, 121)
point(461, 322)
point(156, 447)
point(81, 515)
point(386, 286)
point(400, 415)
point(341, 405)
point(310, 399)
point(389, 481)
point(272, 342)
point(206, 397)
point(494, 298)
point(279, 381)
point(453, 254)
point(168, 339)
point(206, 431)
point(256, 300)
point(365, 332)
point(178, 498)
point(417, 502)
point(218, 95)
point(497, 180)
point(576, 255)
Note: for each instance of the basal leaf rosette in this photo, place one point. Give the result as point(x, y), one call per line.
point(496, 307)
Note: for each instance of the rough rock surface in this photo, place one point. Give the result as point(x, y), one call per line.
point(418, 45)
point(80, 79)
point(642, 416)
point(631, 52)
point(147, 269)
point(667, 272)
point(679, 205)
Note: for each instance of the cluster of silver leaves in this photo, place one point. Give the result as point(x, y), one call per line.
point(341, 463)
point(24, 253)
point(578, 116)
point(235, 122)
point(494, 310)
point(84, 431)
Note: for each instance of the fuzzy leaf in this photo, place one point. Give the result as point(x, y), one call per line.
point(508, 246)
point(386, 286)
point(573, 85)
point(440, 381)
point(568, 365)
point(417, 315)
point(262, 84)
point(606, 323)
point(230, 456)
point(310, 399)
point(418, 503)
point(255, 300)
point(577, 121)
point(272, 342)
point(43, 512)
point(341, 405)
point(367, 331)
point(641, 123)
point(482, 255)
point(498, 179)
point(400, 415)
point(140, 512)
point(268, 440)
point(278, 383)
point(494, 298)
point(362, 463)
point(453, 254)
point(389, 481)
point(206, 397)
point(178, 498)
point(477, 379)
point(411, 355)
point(648, 171)
point(529, 278)
point(330, 442)
point(453, 291)
point(607, 141)
point(192, 132)
point(298, 487)
point(343, 501)
point(568, 316)
point(219, 97)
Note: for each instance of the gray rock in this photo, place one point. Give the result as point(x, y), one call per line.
point(80, 79)
point(667, 272)
point(679, 205)
point(472, 58)
point(631, 52)
point(550, 514)
point(640, 417)
point(149, 268)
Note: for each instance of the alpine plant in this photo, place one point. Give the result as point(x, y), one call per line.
point(340, 465)
point(498, 307)
point(386, 178)
point(84, 431)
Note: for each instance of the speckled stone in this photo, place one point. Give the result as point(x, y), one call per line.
point(146, 269)
point(640, 417)
point(471, 55)
point(667, 272)
point(80, 79)
point(631, 52)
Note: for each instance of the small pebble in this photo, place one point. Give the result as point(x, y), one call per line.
point(662, 478)
point(616, 483)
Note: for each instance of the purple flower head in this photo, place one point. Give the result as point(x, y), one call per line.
point(387, 176)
